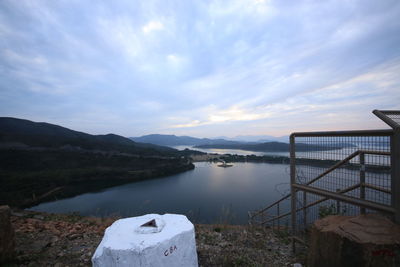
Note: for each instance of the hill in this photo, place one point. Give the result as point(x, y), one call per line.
point(23, 133)
point(41, 162)
point(173, 140)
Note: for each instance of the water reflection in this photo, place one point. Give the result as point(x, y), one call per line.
point(203, 194)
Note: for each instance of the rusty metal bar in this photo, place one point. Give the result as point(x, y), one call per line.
point(377, 188)
point(348, 189)
point(395, 164)
point(344, 198)
point(337, 202)
point(383, 132)
point(300, 240)
point(362, 180)
point(361, 152)
point(373, 152)
point(273, 224)
point(304, 209)
point(340, 192)
point(276, 218)
point(292, 189)
point(278, 212)
point(344, 161)
point(381, 115)
point(337, 165)
point(334, 167)
point(273, 204)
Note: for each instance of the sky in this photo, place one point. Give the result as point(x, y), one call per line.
point(200, 68)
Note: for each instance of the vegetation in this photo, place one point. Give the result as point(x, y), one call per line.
point(27, 176)
point(324, 211)
point(41, 161)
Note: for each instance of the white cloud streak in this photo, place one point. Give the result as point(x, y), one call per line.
point(246, 67)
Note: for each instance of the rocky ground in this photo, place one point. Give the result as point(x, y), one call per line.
point(70, 240)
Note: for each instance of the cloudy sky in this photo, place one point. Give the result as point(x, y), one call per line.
point(201, 68)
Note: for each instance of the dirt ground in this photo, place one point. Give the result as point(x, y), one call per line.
point(70, 240)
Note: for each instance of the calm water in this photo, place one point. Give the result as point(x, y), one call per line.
point(207, 194)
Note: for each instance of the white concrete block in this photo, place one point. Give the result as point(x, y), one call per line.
point(170, 242)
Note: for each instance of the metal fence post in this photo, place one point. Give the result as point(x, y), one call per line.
point(263, 217)
point(278, 213)
point(391, 117)
point(305, 209)
point(338, 203)
point(273, 224)
point(362, 180)
point(292, 189)
point(395, 165)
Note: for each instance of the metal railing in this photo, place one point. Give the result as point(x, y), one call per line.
point(345, 172)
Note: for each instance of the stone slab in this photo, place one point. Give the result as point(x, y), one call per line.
point(127, 243)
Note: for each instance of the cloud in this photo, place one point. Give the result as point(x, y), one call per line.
point(191, 124)
point(203, 68)
point(213, 116)
point(121, 35)
point(152, 26)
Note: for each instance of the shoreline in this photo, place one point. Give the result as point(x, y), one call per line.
point(87, 187)
point(32, 177)
point(321, 163)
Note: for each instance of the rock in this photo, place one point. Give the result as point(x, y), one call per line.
point(40, 244)
point(74, 236)
point(364, 240)
point(149, 240)
point(39, 217)
point(7, 236)
point(17, 214)
point(54, 240)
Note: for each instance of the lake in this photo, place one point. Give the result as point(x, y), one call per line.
point(207, 194)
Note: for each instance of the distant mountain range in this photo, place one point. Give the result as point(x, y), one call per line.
point(24, 133)
point(173, 140)
point(220, 143)
point(256, 138)
point(275, 147)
